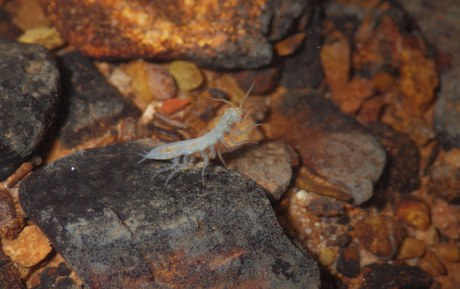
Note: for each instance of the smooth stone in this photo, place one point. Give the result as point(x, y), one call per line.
point(118, 225)
point(331, 144)
point(269, 164)
point(28, 100)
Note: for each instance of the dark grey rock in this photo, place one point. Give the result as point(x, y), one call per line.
point(28, 99)
point(118, 226)
point(285, 14)
point(90, 105)
point(303, 69)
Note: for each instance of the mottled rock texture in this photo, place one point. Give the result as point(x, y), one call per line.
point(119, 226)
point(228, 34)
point(28, 98)
point(90, 105)
point(439, 22)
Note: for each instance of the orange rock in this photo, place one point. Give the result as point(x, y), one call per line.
point(411, 248)
point(335, 58)
point(414, 212)
point(432, 264)
point(289, 45)
point(29, 248)
point(350, 97)
point(228, 34)
point(173, 105)
point(418, 81)
point(380, 234)
point(448, 252)
point(383, 81)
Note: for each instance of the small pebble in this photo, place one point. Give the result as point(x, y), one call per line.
point(380, 234)
point(29, 248)
point(411, 248)
point(43, 35)
point(448, 252)
point(348, 261)
point(187, 75)
point(432, 264)
point(289, 45)
point(414, 212)
point(149, 81)
point(268, 164)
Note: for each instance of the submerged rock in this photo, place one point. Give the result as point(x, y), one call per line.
point(332, 145)
point(119, 226)
point(90, 105)
point(28, 100)
point(234, 34)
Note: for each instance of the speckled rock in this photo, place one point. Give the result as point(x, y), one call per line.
point(10, 222)
point(90, 105)
point(401, 174)
point(331, 144)
point(28, 100)
point(57, 277)
point(9, 275)
point(235, 34)
point(118, 226)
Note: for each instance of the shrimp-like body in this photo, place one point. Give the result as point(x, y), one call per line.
point(187, 148)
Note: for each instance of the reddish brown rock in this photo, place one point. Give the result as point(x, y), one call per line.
point(414, 212)
point(348, 262)
point(401, 174)
point(9, 275)
point(331, 144)
point(226, 34)
point(411, 248)
point(386, 276)
point(10, 222)
point(380, 234)
point(265, 80)
point(432, 264)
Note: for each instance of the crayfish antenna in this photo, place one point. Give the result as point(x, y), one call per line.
point(247, 94)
